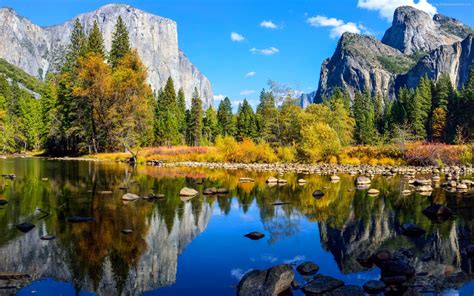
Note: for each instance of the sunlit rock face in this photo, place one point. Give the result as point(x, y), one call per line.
point(156, 267)
point(38, 50)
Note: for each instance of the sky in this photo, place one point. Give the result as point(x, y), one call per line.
point(241, 44)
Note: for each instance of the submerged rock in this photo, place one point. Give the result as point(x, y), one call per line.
point(321, 284)
point(272, 281)
point(412, 230)
point(78, 219)
point(25, 227)
point(255, 235)
point(307, 268)
point(188, 192)
point(374, 287)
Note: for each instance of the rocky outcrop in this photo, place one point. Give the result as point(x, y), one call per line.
point(415, 45)
point(38, 50)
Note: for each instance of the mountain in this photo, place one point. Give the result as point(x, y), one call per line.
point(306, 99)
point(415, 45)
point(38, 50)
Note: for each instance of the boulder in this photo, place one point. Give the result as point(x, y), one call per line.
point(365, 259)
point(210, 191)
point(222, 191)
point(282, 181)
point(381, 256)
point(255, 235)
point(412, 230)
point(335, 178)
point(130, 197)
point(373, 191)
point(406, 192)
point(438, 213)
point(301, 181)
point(272, 281)
point(420, 182)
point(374, 287)
point(188, 192)
point(396, 268)
point(321, 284)
point(25, 227)
point(348, 290)
point(318, 194)
point(424, 188)
point(307, 268)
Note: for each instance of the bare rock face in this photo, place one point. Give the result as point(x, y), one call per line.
point(415, 45)
point(38, 50)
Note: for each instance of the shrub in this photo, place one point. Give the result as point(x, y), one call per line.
point(434, 154)
point(319, 142)
point(287, 154)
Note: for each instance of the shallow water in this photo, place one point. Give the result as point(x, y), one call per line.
point(197, 246)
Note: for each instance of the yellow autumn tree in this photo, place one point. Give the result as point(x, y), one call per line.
point(319, 141)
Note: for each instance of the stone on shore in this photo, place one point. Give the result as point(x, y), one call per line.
point(47, 237)
point(272, 281)
point(188, 192)
point(335, 178)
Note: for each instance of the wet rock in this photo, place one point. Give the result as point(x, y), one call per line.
point(255, 235)
point(105, 192)
point(266, 282)
point(282, 181)
point(395, 268)
point(374, 287)
point(130, 197)
point(381, 256)
point(272, 180)
point(222, 191)
point(420, 182)
point(3, 202)
point(210, 191)
point(295, 285)
point(127, 231)
point(412, 230)
point(424, 188)
point(394, 280)
point(47, 237)
point(188, 192)
point(78, 219)
point(318, 194)
point(25, 227)
point(307, 268)
point(301, 181)
point(406, 192)
point(361, 180)
point(335, 178)
point(365, 259)
point(246, 180)
point(461, 186)
point(373, 191)
point(321, 284)
point(349, 290)
point(438, 212)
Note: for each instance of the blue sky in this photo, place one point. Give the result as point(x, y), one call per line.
point(285, 41)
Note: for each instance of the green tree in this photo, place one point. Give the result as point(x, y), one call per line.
point(225, 118)
point(95, 42)
point(210, 127)
point(266, 114)
point(120, 43)
point(181, 112)
point(246, 122)
point(167, 123)
point(364, 116)
point(195, 120)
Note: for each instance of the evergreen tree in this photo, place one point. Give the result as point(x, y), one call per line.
point(77, 47)
point(120, 43)
point(225, 118)
point(181, 112)
point(378, 112)
point(266, 114)
point(167, 123)
point(95, 42)
point(443, 92)
point(422, 109)
point(210, 126)
point(246, 122)
point(195, 120)
point(363, 109)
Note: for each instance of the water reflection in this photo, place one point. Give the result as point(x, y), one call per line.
point(98, 257)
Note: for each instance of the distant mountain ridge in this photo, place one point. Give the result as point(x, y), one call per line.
point(37, 50)
point(415, 45)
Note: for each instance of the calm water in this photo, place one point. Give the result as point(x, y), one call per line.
point(197, 247)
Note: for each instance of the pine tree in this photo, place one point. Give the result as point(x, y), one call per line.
point(225, 118)
point(181, 112)
point(266, 114)
point(195, 120)
point(246, 122)
point(120, 43)
point(166, 118)
point(210, 126)
point(95, 42)
point(77, 46)
point(363, 109)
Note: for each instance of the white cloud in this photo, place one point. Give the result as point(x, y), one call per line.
point(387, 7)
point(236, 37)
point(338, 27)
point(247, 92)
point(268, 25)
point(251, 74)
point(265, 51)
point(218, 97)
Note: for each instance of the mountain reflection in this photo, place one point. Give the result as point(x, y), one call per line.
point(98, 257)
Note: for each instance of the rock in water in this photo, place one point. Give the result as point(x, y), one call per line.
point(36, 49)
point(255, 235)
point(349, 290)
point(188, 192)
point(374, 287)
point(396, 268)
point(321, 284)
point(25, 227)
point(272, 180)
point(130, 197)
point(3, 202)
point(373, 192)
point(47, 237)
point(438, 213)
point(127, 231)
point(272, 281)
point(318, 194)
point(307, 268)
point(361, 180)
point(77, 219)
point(412, 230)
